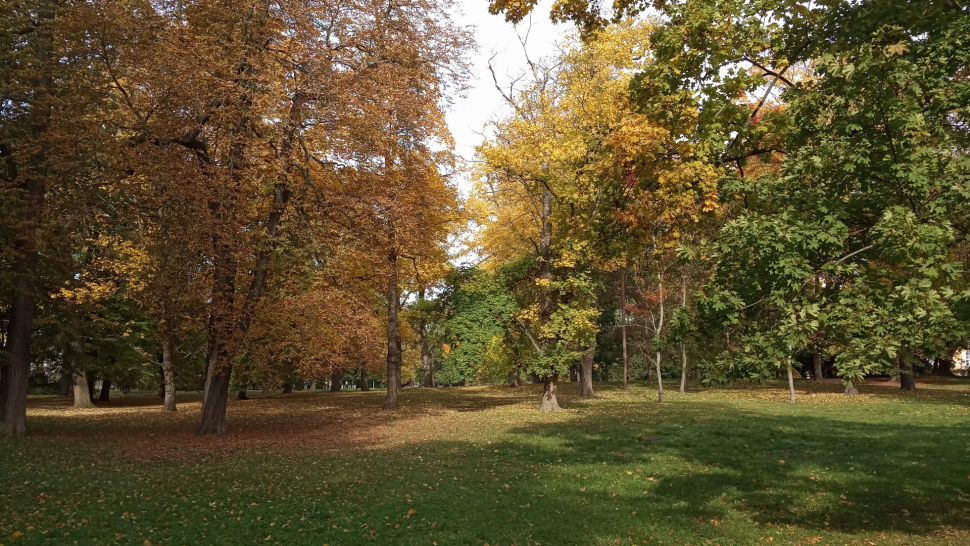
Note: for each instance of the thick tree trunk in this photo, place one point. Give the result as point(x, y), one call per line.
point(586, 374)
point(364, 381)
point(214, 409)
point(623, 326)
point(660, 381)
point(817, 366)
point(82, 391)
point(287, 388)
point(907, 376)
point(105, 395)
point(550, 383)
point(168, 374)
point(14, 381)
point(66, 384)
point(514, 378)
point(335, 379)
point(393, 336)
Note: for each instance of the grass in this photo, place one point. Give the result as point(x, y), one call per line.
point(478, 466)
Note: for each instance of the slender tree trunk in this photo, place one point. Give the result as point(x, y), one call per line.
point(683, 346)
point(514, 378)
point(161, 380)
point(82, 391)
point(168, 374)
point(364, 382)
point(791, 380)
point(426, 360)
point(660, 381)
point(817, 366)
point(658, 327)
point(850, 390)
point(586, 375)
point(550, 383)
point(393, 336)
point(335, 378)
point(623, 326)
point(105, 395)
point(91, 381)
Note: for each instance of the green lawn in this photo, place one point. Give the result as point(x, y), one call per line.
point(478, 466)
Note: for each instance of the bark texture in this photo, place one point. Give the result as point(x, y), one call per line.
point(168, 374)
point(105, 395)
point(364, 381)
point(549, 402)
point(82, 391)
point(335, 378)
point(393, 336)
point(586, 372)
point(817, 366)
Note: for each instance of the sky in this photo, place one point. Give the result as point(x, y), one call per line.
point(482, 102)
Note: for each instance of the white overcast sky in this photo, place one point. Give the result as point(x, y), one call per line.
point(482, 101)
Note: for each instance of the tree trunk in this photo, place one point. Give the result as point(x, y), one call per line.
point(393, 337)
point(105, 395)
point(817, 366)
point(65, 384)
point(549, 385)
point(287, 388)
point(241, 395)
point(426, 360)
point(161, 380)
point(514, 379)
point(683, 346)
point(907, 375)
point(535, 378)
point(313, 386)
point(623, 325)
point(221, 354)
point(660, 381)
point(791, 380)
point(586, 375)
point(850, 390)
point(82, 391)
point(14, 381)
point(335, 378)
point(364, 382)
point(168, 374)
point(91, 381)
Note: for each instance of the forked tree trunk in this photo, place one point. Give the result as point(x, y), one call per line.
point(168, 374)
point(393, 336)
point(550, 383)
point(335, 378)
point(817, 366)
point(586, 373)
point(82, 391)
point(623, 325)
point(105, 395)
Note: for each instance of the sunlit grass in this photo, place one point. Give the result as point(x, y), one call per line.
point(480, 466)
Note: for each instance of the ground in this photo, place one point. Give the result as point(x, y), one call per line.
point(479, 466)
